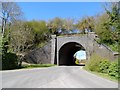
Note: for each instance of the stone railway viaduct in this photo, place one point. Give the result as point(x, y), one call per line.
point(61, 49)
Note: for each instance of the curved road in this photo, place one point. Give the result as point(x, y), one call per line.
point(54, 77)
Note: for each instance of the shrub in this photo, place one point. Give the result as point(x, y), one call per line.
point(114, 47)
point(93, 63)
point(113, 69)
point(104, 65)
point(99, 64)
point(9, 61)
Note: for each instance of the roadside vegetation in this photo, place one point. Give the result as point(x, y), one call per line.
point(103, 67)
point(20, 36)
point(104, 75)
point(36, 66)
point(29, 66)
point(108, 29)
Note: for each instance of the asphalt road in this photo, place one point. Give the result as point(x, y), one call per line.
point(54, 77)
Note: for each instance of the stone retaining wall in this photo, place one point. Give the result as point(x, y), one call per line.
point(40, 55)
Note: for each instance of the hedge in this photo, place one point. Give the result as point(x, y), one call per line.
point(9, 61)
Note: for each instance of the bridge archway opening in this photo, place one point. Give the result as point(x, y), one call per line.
point(67, 52)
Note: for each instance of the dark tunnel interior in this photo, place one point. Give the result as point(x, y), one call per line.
point(66, 53)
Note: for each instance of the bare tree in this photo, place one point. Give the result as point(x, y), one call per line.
point(21, 37)
point(55, 24)
point(68, 24)
point(86, 23)
point(10, 12)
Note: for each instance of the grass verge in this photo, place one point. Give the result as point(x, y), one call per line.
point(30, 66)
point(36, 66)
point(103, 75)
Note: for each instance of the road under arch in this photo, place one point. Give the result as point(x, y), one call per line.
point(67, 51)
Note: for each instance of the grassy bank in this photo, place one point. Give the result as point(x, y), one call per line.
point(103, 75)
point(103, 67)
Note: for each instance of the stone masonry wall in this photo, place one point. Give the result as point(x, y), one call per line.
point(105, 52)
point(48, 53)
point(40, 55)
point(101, 49)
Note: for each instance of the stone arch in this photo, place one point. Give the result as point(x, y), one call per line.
point(59, 41)
point(63, 40)
point(66, 52)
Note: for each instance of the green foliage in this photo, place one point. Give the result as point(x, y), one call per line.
point(41, 32)
point(9, 61)
point(106, 37)
point(37, 65)
point(104, 65)
point(93, 64)
point(4, 45)
point(114, 47)
point(41, 44)
point(0, 51)
point(113, 69)
point(113, 22)
point(107, 26)
point(76, 61)
point(0, 44)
